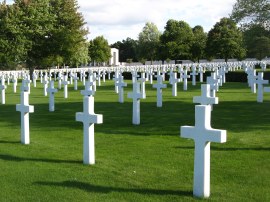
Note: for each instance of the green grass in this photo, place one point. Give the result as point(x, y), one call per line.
point(148, 162)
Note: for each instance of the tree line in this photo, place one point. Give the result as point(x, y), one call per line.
point(46, 33)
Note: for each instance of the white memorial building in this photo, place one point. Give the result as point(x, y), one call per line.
point(114, 60)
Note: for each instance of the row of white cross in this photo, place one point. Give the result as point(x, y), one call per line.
point(202, 133)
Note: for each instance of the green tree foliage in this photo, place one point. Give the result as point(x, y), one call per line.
point(13, 42)
point(128, 50)
point(68, 36)
point(43, 32)
point(176, 41)
point(199, 43)
point(148, 42)
point(248, 12)
point(256, 39)
point(225, 41)
point(99, 50)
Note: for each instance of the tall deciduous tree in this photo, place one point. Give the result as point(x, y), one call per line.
point(148, 41)
point(43, 32)
point(256, 39)
point(199, 43)
point(225, 41)
point(12, 41)
point(99, 50)
point(248, 12)
point(176, 40)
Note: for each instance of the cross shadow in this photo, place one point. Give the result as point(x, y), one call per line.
point(8, 157)
point(9, 142)
point(229, 149)
point(105, 189)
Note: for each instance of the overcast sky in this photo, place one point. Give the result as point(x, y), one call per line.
point(118, 19)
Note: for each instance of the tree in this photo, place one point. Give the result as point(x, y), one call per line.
point(128, 50)
point(14, 43)
point(176, 40)
point(44, 32)
point(68, 36)
point(225, 41)
point(248, 12)
point(199, 43)
point(255, 38)
point(149, 41)
point(99, 50)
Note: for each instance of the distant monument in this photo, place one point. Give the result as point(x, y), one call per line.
point(114, 60)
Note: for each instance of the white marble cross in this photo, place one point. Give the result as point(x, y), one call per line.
point(260, 82)
point(121, 84)
point(51, 90)
point(75, 78)
point(15, 82)
point(45, 84)
point(88, 118)
point(25, 109)
point(116, 80)
point(60, 78)
point(173, 81)
point(34, 76)
point(201, 72)
point(27, 82)
point(104, 75)
point(3, 90)
point(213, 81)
point(142, 80)
point(205, 98)
point(185, 76)
point(159, 85)
point(136, 95)
point(203, 135)
point(193, 74)
point(65, 82)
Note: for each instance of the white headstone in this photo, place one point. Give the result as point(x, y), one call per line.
point(51, 90)
point(185, 76)
point(88, 118)
point(136, 95)
point(205, 98)
point(25, 109)
point(121, 84)
point(159, 85)
point(260, 82)
point(173, 81)
point(65, 82)
point(203, 135)
point(142, 81)
point(3, 90)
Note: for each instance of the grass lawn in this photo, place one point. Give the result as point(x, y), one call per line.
point(148, 162)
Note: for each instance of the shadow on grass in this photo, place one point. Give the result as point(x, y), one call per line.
point(117, 118)
point(9, 142)
point(8, 157)
point(104, 189)
point(230, 149)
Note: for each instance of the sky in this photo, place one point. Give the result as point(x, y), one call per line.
point(117, 20)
